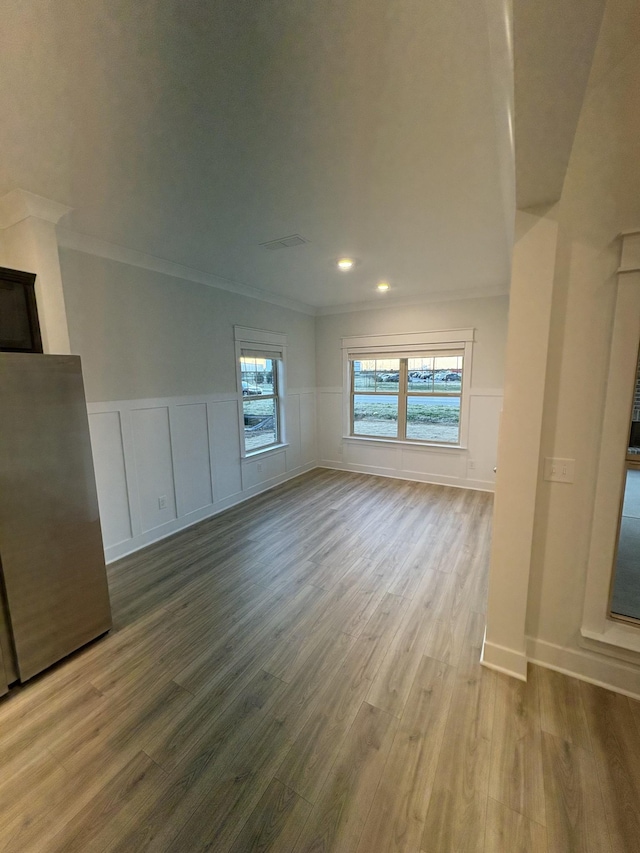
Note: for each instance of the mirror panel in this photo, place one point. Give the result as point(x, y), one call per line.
point(625, 588)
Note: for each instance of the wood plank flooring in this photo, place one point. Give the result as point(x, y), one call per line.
point(301, 673)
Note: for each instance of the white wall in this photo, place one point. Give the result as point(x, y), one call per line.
point(600, 198)
point(159, 366)
point(437, 465)
point(531, 297)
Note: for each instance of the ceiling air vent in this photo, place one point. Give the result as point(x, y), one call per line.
point(284, 242)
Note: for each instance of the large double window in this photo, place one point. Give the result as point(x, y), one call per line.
point(417, 395)
point(261, 380)
point(415, 398)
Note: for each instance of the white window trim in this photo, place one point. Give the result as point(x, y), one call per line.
point(413, 342)
point(245, 338)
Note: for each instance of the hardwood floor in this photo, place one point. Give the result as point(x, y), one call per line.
point(302, 674)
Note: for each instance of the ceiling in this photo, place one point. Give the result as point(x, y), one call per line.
point(555, 41)
point(195, 131)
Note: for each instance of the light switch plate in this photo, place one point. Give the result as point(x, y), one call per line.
point(558, 470)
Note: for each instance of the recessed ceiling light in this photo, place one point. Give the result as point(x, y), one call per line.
point(345, 264)
point(383, 286)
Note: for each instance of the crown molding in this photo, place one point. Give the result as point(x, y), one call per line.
point(384, 301)
point(78, 242)
point(20, 204)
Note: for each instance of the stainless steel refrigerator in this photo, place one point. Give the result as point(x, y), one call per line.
point(53, 585)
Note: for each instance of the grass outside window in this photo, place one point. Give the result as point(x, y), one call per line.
point(414, 398)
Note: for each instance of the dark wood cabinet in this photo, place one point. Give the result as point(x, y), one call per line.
point(19, 326)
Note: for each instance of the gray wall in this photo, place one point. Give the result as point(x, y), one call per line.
point(488, 316)
point(143, 334)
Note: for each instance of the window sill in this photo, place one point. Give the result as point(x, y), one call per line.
point(265, 451)
point(429, 445)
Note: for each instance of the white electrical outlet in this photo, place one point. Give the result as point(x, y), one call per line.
point(259, 467)
point(559, 470)
point(162, 502)
point(471, 465)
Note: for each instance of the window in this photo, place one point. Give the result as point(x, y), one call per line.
point(261, 379)
point(410, 388)
point(260, 402)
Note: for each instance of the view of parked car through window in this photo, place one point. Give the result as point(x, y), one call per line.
point(259, 401)
point(414, 398)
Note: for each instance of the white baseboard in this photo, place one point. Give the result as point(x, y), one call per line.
point(586, 666)
point(504, 660)
point(149, 537)
point(414, 476)
point(583, 665)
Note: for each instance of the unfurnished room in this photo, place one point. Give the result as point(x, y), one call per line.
point(319, 406)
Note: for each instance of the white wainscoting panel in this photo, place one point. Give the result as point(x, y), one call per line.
point(441, 463)
point(309, 447)
point(483, 438)
point(187, 449)
point(111, 480)
point(225, 441)
point(264, 469)
point(367, 455)
point(191, 457)
point(329, 425)
point(154, 466)
point(293, 434)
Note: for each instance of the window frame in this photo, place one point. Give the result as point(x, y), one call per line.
point(404, 347)
point(272, 345)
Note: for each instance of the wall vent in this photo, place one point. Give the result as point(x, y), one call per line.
point(284, 242)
